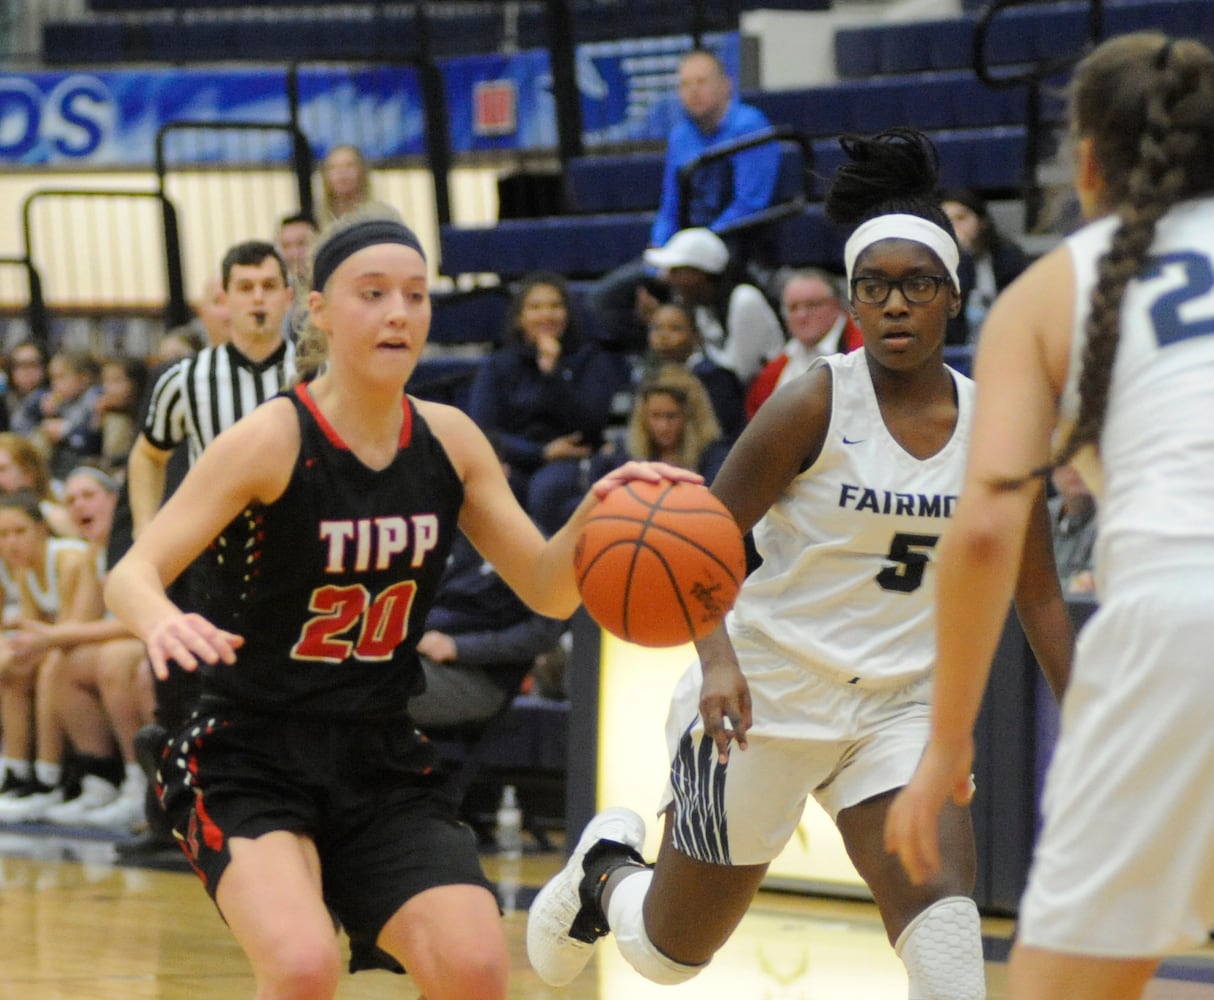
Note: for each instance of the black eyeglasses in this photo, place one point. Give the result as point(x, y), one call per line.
point(918, 289)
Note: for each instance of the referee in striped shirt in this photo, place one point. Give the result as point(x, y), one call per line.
point(200, 397)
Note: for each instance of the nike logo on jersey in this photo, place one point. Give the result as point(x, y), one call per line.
point(847, 440)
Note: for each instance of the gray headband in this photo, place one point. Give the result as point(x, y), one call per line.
point(359, 237)
point(102, 478)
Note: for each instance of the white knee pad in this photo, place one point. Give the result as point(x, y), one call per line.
point(942, 951)
point(626, 918)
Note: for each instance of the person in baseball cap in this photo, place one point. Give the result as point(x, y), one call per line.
point(699, 248)
point(740, 329)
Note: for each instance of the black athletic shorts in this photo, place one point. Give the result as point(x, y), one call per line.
point(384, 832)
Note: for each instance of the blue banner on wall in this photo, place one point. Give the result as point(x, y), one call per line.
point(112, 118)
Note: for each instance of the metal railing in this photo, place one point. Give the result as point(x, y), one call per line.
point(1034, 78)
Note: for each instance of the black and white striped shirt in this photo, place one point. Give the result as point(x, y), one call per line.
point(200, 397)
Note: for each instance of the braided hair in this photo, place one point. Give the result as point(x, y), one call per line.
point(895, 171)
point(1146, 102)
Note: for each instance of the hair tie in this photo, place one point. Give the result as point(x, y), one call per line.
point(358, 237)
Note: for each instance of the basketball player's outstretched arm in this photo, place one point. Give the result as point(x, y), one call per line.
point(539, 570)
point(783, 439)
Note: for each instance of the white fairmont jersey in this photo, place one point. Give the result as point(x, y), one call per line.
point(1156, 469)
point(847, 584)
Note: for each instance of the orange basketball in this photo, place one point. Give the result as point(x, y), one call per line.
point(659, 564)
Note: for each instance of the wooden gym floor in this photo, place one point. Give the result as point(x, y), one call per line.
point(76, 925)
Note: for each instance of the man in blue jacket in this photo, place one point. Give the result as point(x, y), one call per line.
point(721, 192)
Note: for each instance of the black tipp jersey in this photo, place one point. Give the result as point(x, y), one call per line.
point(330, 584)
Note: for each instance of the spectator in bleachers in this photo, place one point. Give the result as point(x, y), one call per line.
point(721, 193)
point(816, 316)
point(674, 338)
point(480, 642)
point(27, 383)
point(296, 237)
point(345, 180)
point(66, 434)
point(115, 415)
point(990, 261)
point(544, 397)
point(24, 467)
point(211, 317)
point(673, 421)
point(740, 329)
point(54, 580)
point(92, 696)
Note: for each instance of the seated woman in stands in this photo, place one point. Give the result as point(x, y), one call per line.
point(24, 467)
point(53, 579)
point(96, 694)
point(674, 339)
point(544, 397)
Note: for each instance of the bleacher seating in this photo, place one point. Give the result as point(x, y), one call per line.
point(155, 31)
point(891, 73)
point(1018, 35)
point(987, 159)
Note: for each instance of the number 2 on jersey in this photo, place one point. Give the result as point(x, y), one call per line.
point(909, 555)
point(384, 623)
point(1170, 327)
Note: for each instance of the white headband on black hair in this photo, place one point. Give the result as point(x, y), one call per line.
point(903, 227)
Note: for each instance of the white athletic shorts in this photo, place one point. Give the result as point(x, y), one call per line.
point(1125, 863)
point(812, 735)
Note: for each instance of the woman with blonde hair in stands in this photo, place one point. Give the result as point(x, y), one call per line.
point(54, 580)
point(345, 181)
point(673, 421)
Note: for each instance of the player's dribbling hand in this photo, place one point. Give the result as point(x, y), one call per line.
point(187, 638)
point(912, 827)
point(652, 472)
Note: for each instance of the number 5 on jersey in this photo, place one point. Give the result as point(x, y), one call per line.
point(909, 555)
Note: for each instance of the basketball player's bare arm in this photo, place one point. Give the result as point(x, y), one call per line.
point(1040, 603)
point(783, 439)
point(251, 462)
point(539, 570)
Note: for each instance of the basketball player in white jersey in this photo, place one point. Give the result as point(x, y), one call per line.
point(1109, 339)
point(819, 683)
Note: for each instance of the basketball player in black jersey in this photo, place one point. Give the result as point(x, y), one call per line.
point(300, 790)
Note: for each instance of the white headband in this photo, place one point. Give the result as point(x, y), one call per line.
point(903, 227)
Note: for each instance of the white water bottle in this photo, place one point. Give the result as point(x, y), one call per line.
point(509, 829)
